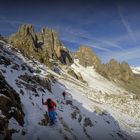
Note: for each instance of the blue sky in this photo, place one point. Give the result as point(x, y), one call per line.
point(111, 28)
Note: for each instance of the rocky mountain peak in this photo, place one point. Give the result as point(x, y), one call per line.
point(87, 57)
point(115, 70)
point(45, 30)
point(26, 29)
point(113, 62)
point(111, 70)
point(84, 49)
point(42, 46)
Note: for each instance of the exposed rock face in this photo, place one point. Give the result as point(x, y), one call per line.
point(121, 72)
point(4, 60)
point(10, 107)
point(87, 57)
point(133, 85)
point(115, 70)
point(26, 41)
point(33, 80)
point(53, 46)
point(88, 122)
point(50, 41)
point(43, 46)
point(75, 75)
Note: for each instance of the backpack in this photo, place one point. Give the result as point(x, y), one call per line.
point(49, 103)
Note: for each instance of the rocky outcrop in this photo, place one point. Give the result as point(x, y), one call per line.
point(87, 57)
point(115, 70)
point(42, 46)
point(88, 122)
point(4, 60)
point(51, 44)
point(10, 106)
point(77, 76)
point(33, 81)
point(133, 85)
point(26, 41)
point(121, 74)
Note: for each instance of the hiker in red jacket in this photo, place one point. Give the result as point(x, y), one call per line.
point(51, 109)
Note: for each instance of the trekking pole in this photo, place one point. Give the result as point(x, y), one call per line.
point(42, 98)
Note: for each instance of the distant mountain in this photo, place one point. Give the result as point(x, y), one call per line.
point(115, 70)
point(86, 57)
point(136, 70)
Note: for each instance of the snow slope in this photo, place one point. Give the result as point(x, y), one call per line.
point(85, 114)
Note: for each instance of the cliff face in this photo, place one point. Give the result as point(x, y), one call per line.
point(87, 57)
point(51, 44)
point(43, 45)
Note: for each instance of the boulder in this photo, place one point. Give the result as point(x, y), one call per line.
point(77, 76)
point(88, 122)
point(115, 70)
point(68, 102)
point(4, 61)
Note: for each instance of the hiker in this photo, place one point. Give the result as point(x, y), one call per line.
point(51, 110)
point(64, 94)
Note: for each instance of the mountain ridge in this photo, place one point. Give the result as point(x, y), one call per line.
point(94, 103)
point(45, 46)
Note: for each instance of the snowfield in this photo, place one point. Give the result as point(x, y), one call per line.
point(92, 110)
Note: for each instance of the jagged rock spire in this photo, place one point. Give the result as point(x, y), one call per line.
point(43, 46)
point(87, 57)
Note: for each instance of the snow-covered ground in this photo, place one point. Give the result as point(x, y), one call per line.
point(99, 87)
point(85, 114)
point(96, 81)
